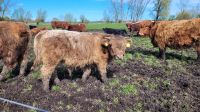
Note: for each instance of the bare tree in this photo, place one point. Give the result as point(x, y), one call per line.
point(161, 9)
point(187, 12)
point(69, 18)
point(106, 16)
point(55, 19)
point(28, 16)
point(5, 6)
point(184, 14)
point(117, 10)
point(21, 15)
point(136, 8)
point(83, 19)
point(41, 16)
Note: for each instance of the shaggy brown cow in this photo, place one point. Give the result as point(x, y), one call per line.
point(77, 27)
point(129, 25)
point(35, 31)
point(14, 37)
point(174, 34)
point(135, 27)
point(60, 24)
point(76, 49)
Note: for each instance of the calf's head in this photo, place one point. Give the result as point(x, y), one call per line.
point(116, 45)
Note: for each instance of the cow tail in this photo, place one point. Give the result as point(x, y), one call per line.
point(37, 48)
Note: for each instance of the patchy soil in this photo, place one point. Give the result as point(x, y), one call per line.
point(140, 82)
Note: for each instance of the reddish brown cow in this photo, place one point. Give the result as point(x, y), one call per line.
point(174, 34)
point(14, 37)
point(129, 25)
point(77, 49)
point(60, 24)
point(135, 27)
point(35, 31)
point(77, 27)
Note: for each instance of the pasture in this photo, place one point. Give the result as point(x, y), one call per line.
point(95, 26)
point(140, 82)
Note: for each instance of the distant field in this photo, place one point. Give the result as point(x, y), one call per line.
point(99, 26)
point(92, 26)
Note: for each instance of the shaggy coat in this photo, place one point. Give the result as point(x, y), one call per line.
point(175, 34)
point(135, 27)
point(76, 49)
point(60, 24)
point(77, 27)
point(14, 37)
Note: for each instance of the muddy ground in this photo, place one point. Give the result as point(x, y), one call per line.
point(140, 82)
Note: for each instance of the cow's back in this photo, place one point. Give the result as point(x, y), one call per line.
point(77, 49)
point(178, 32)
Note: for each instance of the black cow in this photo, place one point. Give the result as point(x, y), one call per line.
point(122, 32)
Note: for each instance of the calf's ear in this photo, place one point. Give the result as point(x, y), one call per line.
point(106, 41)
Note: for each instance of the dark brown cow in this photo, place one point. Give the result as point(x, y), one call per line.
point(129, 26)
point(60, 24)
point(77, 27)
point(76, 49)
point(14, 37)
point(174, 34)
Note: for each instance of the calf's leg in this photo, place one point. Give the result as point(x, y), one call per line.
point(86, 73)
point(4, 71)
point(198, 51)
point(23, 65)
point(47, 71)
point(162, 54)
point(102, 70)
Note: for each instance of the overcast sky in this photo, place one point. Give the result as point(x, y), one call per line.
point(92, 9)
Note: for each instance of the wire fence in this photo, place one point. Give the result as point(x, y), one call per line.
point(22, 105)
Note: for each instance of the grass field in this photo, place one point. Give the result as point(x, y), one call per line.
point(92, 26)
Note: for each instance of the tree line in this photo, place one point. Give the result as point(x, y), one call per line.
point(119, 10)
point(133, 10)
point(20, 14)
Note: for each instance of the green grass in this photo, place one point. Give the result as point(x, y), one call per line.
point(127, 56)
point(150, 85)
point(91, 26)
point(36, 75)
point(129, 89)
point(114, 82)
point(99, 26)
point(56, 88)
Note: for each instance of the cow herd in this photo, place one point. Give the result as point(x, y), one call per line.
point(67, 26)
point(80, 49)
point(51, 47)
point(176, 34)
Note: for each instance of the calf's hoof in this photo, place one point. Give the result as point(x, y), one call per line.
point(84, 79)
point(104, 79)
point(46, 90)
point(1, 78)
point(57, 81)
